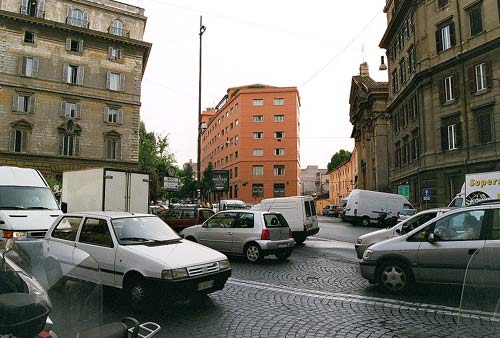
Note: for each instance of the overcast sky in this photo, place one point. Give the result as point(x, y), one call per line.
point(315, 45)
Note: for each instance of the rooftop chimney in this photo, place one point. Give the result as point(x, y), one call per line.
point(363, 69)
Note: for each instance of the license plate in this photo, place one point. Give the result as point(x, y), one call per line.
point(282, 245)
point(205, 285)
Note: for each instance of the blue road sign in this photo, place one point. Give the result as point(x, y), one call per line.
point(426, 192)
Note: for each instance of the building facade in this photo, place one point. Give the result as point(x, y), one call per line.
point(344, 179)
point(253, 133)
point(313, 181)
point(367, 102)
point(444, 71)
point(70, 84)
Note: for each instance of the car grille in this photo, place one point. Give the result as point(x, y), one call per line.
point(203, 269)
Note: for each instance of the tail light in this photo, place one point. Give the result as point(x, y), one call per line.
point(44, 334)
point(355, 212)
point(8, 234)
point(290, 234)
point(265, 235)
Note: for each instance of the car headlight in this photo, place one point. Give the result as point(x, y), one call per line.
point(368, 253)
point(174, 273)
point(224, 264)
point(359, 241)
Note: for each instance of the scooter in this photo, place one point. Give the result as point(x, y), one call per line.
point(384, 221)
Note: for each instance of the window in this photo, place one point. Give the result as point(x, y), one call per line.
point(236, 122)
point(414, 146)
point(73, 45)
point(402, 71)
point(69, 145)
point(405, 152)
point(73, 74)
point(475, 20)
point(71, 109)
point(113, 115)
point(459, 226)
point(33, 8)
point(445, 37)
point(451, 133)
point(279, 170)
point(23, 103)
point(113, 149)
point(411, 59)
point(29, 37)
point(397, 155)
point(19, 140)
point(117, 28)
point(95, 231)
point(115, 82)
point(67, 228)
point(257, 190)
point(258, 102)
point(29, 66)
point(236, 171)
point(480, 78)
point(114, 54)
point(279, 152)
point(258, 152)
point(395, 82)
point(448, 89)
point(258, 118)
point(442, 3)
point(258, 135)
point(484, 127)
point(279, 190)
point(279, 101)
point(76, 17)
point(279, 118)
point(257, 170)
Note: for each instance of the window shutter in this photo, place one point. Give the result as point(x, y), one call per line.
point(444, 138)
point(24, 141)
point(80, 46)
point(442, 97)
point(106, 114)
point(488, 74)
point(110, 53)
point(15, 103)
point(86, 19)
point(77, 145)
point(69, 15)
point(472, 79)
point(36, 63)
point(40, 9)
point(118, 150)
point(459, 135)
point(452, 34)
point(12, 143)
point(118, 54)
point(439, 42)
point(78, 111)
point(108, 80)
point(31, 104)
point(122, 82)
point(65, 72)
point(120, 116)
point(24, 7)
point(62, 113)
point(68, 44)
point(455, 86)
point(61, 144)
point(79, 75)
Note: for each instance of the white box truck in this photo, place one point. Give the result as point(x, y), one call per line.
point(27, 205)
point(105, 189)
point(478, 187)
point(364, 206)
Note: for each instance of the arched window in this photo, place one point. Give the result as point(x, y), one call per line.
point(117, 28)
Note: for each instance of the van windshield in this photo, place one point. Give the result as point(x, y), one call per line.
point(15, 197)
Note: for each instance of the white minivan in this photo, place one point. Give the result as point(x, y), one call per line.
point(299, 212)
point(364, 206)
point(27, 206)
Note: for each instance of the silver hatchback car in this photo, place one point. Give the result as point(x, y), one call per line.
point(249, 233)
point(439, 251)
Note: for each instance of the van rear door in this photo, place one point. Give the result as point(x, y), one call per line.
point(310, 217)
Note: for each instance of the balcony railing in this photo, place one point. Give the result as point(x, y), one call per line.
point(118, 31)
point(77, 22)
point(30, 11)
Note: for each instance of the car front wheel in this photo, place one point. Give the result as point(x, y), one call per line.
point(394, 277)
point(253, 253)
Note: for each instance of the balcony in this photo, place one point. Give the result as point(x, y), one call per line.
point(118, 31)
point(77, 22)
point(32, 11)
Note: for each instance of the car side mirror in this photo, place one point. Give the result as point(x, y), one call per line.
point(431, 238)
point(204, 225)
point(398, 231)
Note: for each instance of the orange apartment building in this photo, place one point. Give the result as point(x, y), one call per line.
point(344, 179)
point(253, 133)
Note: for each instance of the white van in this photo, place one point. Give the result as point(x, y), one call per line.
point(27, 206)
point(364, 206)
point(299, 212)
point(231, 204)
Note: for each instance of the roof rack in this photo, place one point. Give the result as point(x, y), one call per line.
point(486, 201)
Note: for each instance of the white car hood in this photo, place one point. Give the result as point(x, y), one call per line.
point(179, 255)
point(25, 220)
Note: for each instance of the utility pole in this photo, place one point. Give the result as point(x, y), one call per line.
point(198, 165)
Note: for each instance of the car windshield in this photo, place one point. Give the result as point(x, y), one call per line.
point(137, 230)
point(27, 198)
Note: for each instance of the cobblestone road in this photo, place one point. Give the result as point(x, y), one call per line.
point(317, 293)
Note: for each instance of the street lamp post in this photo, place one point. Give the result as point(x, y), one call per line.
point(198, 171)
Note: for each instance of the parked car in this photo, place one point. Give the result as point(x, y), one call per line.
point(438, 251)
point(365, 241)
point(182, 217)
point(332, 210)
point(138, 253)
point(249, 233)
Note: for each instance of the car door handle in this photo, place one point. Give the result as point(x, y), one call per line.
point(229, 232)
point(472, 251)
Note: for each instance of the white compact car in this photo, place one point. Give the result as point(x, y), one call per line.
point(135, 252)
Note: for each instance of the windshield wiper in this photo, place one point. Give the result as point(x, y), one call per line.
point(138, 239)
point(38, 208)
point(13, 208)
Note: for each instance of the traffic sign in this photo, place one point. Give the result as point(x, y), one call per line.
point(171, 183)
point(426, 193)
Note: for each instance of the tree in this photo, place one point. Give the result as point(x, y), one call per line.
point(188, 188)
point(207, 184)
point(338, 159)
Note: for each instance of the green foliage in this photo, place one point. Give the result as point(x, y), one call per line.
point(207, 184)
point(188, 188)
point(51, 180)
point(339, 158)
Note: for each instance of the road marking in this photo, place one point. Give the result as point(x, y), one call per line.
point(318, 242)
point(373, 301)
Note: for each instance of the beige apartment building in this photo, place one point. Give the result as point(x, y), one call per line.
point(70, 83)
point(444, 85)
